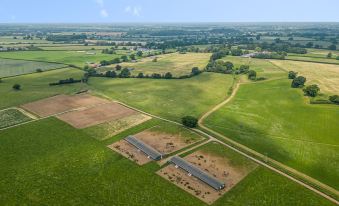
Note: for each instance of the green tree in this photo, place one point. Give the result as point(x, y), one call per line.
point(334, 99)
point(140, 75)
point(311, 90)
point(292, 74)
point(298, 82)
point(132, 56)
point(329, 55)
point(229, 65)
point(139, 53)
point(332, 47)
point(168, 75)
point(16, 87)
point(252, 75)
point(124, 58)
point(125, 73)
point(195, 71)
point(189, 121)
point(118, 67)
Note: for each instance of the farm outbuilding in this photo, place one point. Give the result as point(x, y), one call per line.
point(198, 173)
point(148, 150)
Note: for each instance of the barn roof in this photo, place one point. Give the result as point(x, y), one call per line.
point(148, 150)
point(198, 173)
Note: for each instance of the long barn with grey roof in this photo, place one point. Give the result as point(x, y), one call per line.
point(198, 173)
point(148, 150)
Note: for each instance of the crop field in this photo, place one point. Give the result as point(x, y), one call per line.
point(12, 117)
point(35, 86)
point(171, 99)
point(299, 135)
point(78, 58)
point(325, 75)
point(177, 64)
point(9, 67)
point(263, 67)
point(68, 167)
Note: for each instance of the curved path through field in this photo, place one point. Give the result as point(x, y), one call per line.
point(254, 155)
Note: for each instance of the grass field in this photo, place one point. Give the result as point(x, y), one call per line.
point(171, 99)
point(177, 64)
point(12, 117)
point(10, 39)
point(9, 67)
point(53, 47)
point(35, 86)
point(273, 119)
point(325, 75)
point(66, 57)
point(312, 59)
point(70, 168)
point(263, 67)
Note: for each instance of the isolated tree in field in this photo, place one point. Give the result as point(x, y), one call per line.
point(334, 99)
point(292, 74)
point(329, 55)
point(298, 82)
point(132, 56)
point(125, 73)
point(118, 67)
point(189, 121)
point(16, 86)
point(168, 75)
point(311, 90)
point(252, 75)
point(139, 53)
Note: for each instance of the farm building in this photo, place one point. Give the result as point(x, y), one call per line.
point(196, 172)
point(149, 151)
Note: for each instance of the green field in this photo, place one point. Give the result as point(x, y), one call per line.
point(9, 67)
point(263, 67)
point(171, 99)
point(68, 167)
point(312, 59)
point(12, 117)
point(177, 64)
point(66, 57)
point(324, 75)
point(53, 47)
point(36, 86)
point(273, 119)
point(10, 40)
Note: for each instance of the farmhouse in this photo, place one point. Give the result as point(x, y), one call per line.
point(196, 172)
point(149, 151)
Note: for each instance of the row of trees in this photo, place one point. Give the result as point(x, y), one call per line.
point(299, 82)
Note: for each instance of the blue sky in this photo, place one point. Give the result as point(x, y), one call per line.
point(106, 11)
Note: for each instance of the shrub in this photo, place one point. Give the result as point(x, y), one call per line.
point(195, 71)
point(118, 67)
point(156, 76)
point(334, 99)
point(311, 90)
point(39, 70)
point(140, 75)
point(292, 74)
point(298, 82)
point(16, 86)
point(189, 121)
point(168, 75)
point(252, 75)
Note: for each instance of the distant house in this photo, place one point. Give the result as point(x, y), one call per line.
point(146, 149)
point(198, 173)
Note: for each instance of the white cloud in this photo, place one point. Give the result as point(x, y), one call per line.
point(104, 13)
point(135, 11)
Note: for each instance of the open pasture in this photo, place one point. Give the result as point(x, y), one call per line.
point(10, 67)
point(171, 99)
point(300, 135)
point(96, 114)
point(325, 75)
point(10, 117)
point(62, 103)
point(69, 167)
point(78, 58)
point(35, 86)
point(177, 64)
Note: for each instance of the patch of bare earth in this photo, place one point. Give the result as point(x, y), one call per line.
point(62, 103)
point(96, 115)
point(215, 166)
point(129, 151)
point(164, 142)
